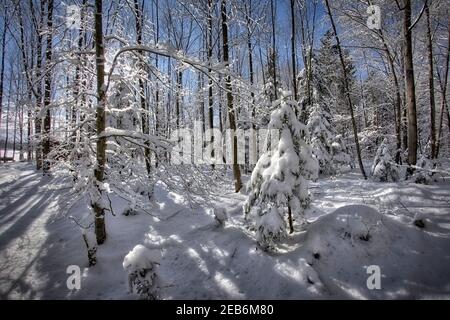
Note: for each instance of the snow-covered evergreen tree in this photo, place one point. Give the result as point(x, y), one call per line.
point(383, 168)
point(141, 265)
point(341, 155)
point(328, 79)
point(330, 152)
point(321, 135)
point(319, 129)
point(425, 174)
point(279, 182)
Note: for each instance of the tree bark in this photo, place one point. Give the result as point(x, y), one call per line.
point(179, 77)
point(293, 57)
point(250, 53)
point(404, 107)
point(444, 95)
point(15, 126)
point(5, 153)
point(145, 123)
point(274, 53)
point(21, 158)
point(38, 117)
point(231, 110)
point(157, 107)
point(210, 82)
point(29, 82)
point(291, 223)
point(397, 100)
point(410, 86)
point(2, 67)
point(99, 171)
point(78, 79)
point(248, 15)
point(431, 84)
point(46, 145)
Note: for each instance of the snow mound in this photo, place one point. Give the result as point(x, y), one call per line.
point(342, 245)
point(220, 214)
point(141, 258)
point(353, 223)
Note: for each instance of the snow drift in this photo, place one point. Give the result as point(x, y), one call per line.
point(343, 244)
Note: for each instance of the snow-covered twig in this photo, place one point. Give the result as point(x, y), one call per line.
point(420, 168)
point(172, 215)
point(79, 224)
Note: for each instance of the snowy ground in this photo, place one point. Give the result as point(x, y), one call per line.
point(204, 261)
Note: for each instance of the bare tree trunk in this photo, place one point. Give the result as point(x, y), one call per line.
point(263, 74)
point(397, 101)
point(178, 98)
point(274, 53)
point(201, 86)
point(38, 117)
point(29, 130)
point(21, 134)
point(169, 104)
point(5, 153)
point(157, 107)
point(222, 115)
point(231, 110)
point(30, 88)
point(363, 103)
point(291, 224)
point(48, 88)
point(444, 95)
point(210, 82)
point(410, 86)
point(15, 128)
point(398, 114)
point(138, 12)
point(5, 150)
point(431, 84)
point(347, 91)
point(38, 22)
point(2, 67)
point(404, 107)
point(78, 76)
point(248, 15)
point(99, 171)
point(293, 57)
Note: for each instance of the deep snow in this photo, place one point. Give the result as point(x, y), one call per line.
point(201, 259)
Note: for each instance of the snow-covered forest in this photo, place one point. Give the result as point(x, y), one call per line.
point(224, 149)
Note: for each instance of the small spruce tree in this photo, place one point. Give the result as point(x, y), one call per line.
point(279, 182)
point(383, 168)
point(321, 136)
point(425, 175)
point(342, 157)
point(327, 146)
